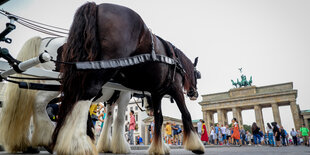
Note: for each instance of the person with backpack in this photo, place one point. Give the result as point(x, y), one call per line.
point(276, 132)
point(175, 133)
point(283, 136)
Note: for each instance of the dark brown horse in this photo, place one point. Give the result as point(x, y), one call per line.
point(108, 31)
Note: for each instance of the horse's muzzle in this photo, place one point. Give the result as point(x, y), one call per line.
point(193, 98)
point(193, 95)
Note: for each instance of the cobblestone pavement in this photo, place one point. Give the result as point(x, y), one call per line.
point(244, 150)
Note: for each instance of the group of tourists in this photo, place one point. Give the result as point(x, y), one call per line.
point(220, 134)
point(173, 134)
point(98, 112)
point(275, 135)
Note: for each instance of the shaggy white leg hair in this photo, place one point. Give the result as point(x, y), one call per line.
point(193, 143)
point(72, 137)
point(43, 126)
point(15, 118)
point(104, 142)
point(119, 143)
point(158, 148)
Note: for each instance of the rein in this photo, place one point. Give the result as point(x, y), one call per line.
point(40, 27)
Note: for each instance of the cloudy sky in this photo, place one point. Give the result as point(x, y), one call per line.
point(269, 39)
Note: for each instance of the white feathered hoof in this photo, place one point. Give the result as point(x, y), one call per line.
point(120, 146)
point(159, 148)
point(77, 147)
point(104, 145)
point(194, 144)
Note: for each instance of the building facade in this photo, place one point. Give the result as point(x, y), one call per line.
point(139, 116)
point(306, 117)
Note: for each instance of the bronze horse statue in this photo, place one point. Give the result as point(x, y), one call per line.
point(109, 32)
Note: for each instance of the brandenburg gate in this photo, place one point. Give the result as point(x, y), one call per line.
point(251, 97)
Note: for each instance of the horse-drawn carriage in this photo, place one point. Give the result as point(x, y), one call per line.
point(106, 43)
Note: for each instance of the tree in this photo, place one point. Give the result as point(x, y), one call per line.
point(247, 128)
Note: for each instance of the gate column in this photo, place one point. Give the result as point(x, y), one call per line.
point(237, 114)
point(220, 116)
point(296, 115)
point(276, 113)
point(259, 117)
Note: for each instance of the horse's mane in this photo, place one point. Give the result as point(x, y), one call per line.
point(82, 45)
point(187, 66)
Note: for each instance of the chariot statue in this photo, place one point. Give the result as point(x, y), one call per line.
point(243, 82)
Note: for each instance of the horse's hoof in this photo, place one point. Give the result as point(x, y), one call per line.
point(1, 148)
point(198, 152)
point(32, 150)
point(49, 149)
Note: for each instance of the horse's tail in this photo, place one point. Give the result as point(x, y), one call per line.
point(18, 106)
point(82, 45)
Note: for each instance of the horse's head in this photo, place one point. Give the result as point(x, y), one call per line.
point(191, 74)
point(192, 92)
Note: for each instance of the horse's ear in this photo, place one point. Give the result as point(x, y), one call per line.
point(196, 61)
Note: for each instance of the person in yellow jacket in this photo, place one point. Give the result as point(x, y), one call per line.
point(93, 112)
point(168, 132)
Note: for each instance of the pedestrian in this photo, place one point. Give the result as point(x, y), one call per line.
point(236, 134)
point(132, 126)
point(178, 136)
point(305, 134)
point(220, 138)
point(212, 135)
point(152, 130)
point(270, 134)
point(256, 134)
point(242, 135)
point(283, 136)
point(139, 140)
point(248, 137)
point(101, 118)
point(204, 133)
point(276, 132)
point(224, 134)
point(175, 129)
point(262, 137)
point(294, 136)
point(217, 133)
point(199, 125)
point(93, 113)
point(228, 133)
point(299, 137)
point(168, 133)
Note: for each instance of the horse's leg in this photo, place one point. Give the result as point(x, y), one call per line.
point(157, 145)
point(15, 119)
point(72, 138)
point(43, 126)
point(191, 140)
point(119, 143)
point(104, 142)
